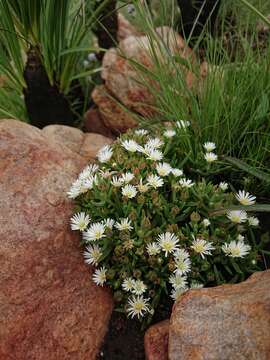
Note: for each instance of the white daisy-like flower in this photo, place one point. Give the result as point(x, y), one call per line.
point(137, 306)
point(127, 177)
point(79, 221)
point(88, 171)
point(253, 221)
point(236, 249)
point(223, 186)
point(153, 249)
point(141, 132)
point(182, 124)
point(154, 181)
point(127, 284)
point(176, 293)
point(130, 145)
point(105, 174)
point(116, 181)
point(75, 189)
point(183, 266)
point(181, 254)
point(163, 169)
point(169, 133)
point(142, 187)
point(202, 247)
point(129, 191)
point(95, 232)
point(210, 157)
point(186, 183)
point(108, 223)
point(209, 146)
point(240, 237)
point(124, 225)
point(237, 216)
point(105, 154)
point(130, 9)
point(153, 154)
point(92, 57)
point(89, 183)
point(99, 276)
point(168, 242)
point(92, 254)
point(178, 281)
point(139, 287)
point(245, 198)
point(177, 172)
point(154, 143)
point(206, 222)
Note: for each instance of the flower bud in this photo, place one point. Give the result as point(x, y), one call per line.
point(118, 296)
point(195, 217)
point(137, 273)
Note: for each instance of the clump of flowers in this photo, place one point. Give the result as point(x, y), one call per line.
point(151, 229)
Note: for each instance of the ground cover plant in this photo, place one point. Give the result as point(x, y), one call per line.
point(149, 225)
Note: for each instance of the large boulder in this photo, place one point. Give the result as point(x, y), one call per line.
point(127, 89)
point(156, 341)
point(49, 307)
point(226, 322)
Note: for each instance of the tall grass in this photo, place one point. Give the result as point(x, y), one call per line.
point(231, 106)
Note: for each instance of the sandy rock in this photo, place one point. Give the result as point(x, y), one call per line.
point(226, 322)
point(125, 28)
point(94, 123)
point(49, 307)
point(156, 341)
point(114, 116)
point(86, 145)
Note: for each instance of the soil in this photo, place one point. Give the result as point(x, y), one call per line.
point(125, 338)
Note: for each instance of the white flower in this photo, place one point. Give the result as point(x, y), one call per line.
point(186, 183)
point(130, 145)
point(92, 57)
point(79, 221)
point(253, 221)
point(182, 124)
point(202, 247)
point(183, 266)
point(105, 174)
point(141, 132)
point(196, 285)
point(206, 222)
point(130, 9)
point(127, 177)
point(139, 287)
point(129, 191)
point(95, 232)
point(85, 63)
point(176, 172)
point(127, 284)
point(240, 237)
point(117, 182)
point(223, 186)
point(169, 133)
point(154, 181)
point(75, 189)
point(124, 224)
point(163, 169)
point(178, 281)
point(237, 216)
point(168, 242)
point(104, 154)
point(108, 223)
point(153, 154)
point(88, 183)
point(153, 248)
point(176, 293)
point(92, 254)
point(137, 306)
point(88, 171)
point(209, 146)
point(210, 157)
point(181, 254)
point(236, 249)
point(245, 198)
point(99, 277)
point(154, 143)
point(142, 187)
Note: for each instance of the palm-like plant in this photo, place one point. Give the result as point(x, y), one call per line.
point(42, 45)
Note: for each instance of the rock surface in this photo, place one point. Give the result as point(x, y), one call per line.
point(156, 341)
point(226, 322)
point(125, 28)
point(124, 84)
point(49, 307)
point(85, 145)
point(93, 123)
